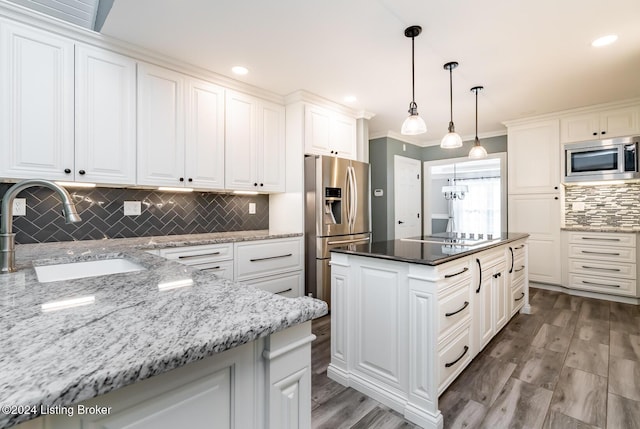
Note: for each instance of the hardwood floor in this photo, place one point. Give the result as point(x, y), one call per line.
point(574, 363)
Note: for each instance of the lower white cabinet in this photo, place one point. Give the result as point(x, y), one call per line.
point(217, 258)
point(264, 384)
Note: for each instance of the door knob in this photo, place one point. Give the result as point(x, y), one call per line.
point(400, 222)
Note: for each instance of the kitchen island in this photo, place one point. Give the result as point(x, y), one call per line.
point(165, 346)
point(409, 315)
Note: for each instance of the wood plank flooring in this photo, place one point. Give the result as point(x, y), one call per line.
point(574, 363)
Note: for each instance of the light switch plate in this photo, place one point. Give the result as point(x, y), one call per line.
point(132, 208)
point(252, 208)
point(20, 207)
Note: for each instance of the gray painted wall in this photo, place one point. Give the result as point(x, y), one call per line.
point(381, 153)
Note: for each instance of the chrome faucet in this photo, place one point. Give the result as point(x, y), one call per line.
point(7, 237)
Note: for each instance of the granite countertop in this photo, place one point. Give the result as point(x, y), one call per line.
point(585, 228)
point(413, 251)
point(132, 330)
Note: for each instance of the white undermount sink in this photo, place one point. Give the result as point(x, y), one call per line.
point(79, 270)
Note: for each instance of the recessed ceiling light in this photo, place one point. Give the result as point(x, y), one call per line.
point(239, 70)
point(350, 99)
point(604, 40)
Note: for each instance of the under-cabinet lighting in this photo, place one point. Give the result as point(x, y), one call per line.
point(77, 184)
point(170, 189)
point(245, 192)
point(67, 303)
point(175, 284)
point(597, 183)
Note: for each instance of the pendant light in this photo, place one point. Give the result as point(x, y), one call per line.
point(451, 140)
point(414, 124)
point(477, 151)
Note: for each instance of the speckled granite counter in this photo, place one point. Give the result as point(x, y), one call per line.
point(132, 330)
point(600, 229)
point(413, 250)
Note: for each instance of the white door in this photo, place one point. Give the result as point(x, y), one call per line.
point(36, 104)
point(204, 147)
point(407, 185)
point(160, 126)
point(105, 117)
point(240, 142)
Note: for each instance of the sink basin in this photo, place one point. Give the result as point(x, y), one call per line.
point(79, 270)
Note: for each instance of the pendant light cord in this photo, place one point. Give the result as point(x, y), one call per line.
point(476, 91)
point(413, 72)
point(451, 93)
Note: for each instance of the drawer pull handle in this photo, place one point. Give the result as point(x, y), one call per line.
point(600, 239)
point(210, 268)
point(521, 296)
point(519, 247)
point(479, 275)
point(466, 349)
point(601, 253)
point(495, 276)
point(600, 268)
point(448, 276)
point(284, 291)
point(466, 303)
point(198, 256)
point(271, 257)
point(598, 284)
point(519, 269)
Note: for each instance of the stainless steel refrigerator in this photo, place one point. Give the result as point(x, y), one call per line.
point(337, 213)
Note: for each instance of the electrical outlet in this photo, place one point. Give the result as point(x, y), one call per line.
point(20, 207)
point(252, 208)
point(578, 207)
point(132, 208)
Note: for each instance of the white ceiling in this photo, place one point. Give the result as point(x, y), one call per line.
point(532, 57)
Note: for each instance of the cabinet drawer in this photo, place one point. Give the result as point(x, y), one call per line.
point(454, 308)
point(490, 258)
point(602, 284)
point(193, 255)
point(453, 357)
point(454, 273)
point(267, 257)
point(603, 253)
point(606, 269)
point(518, 249)
point(603, 239)
point(517, 296)
point(223, 269)
point(518, 269)
point(288, 285)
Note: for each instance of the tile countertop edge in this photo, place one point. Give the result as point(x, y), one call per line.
point(228, 316)
point(582, 228)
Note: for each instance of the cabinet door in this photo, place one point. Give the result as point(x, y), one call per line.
point(271, 148)
point(579, 127)
point(539, 215)
point(36, 103)
point(161, 126)
point(620, 122)
point(483, 308)
point(240, 142)
point(342, 136)
point(105, 150)
point(204, 147)
point(534, 158)
point(501, 296)
point(316, 131)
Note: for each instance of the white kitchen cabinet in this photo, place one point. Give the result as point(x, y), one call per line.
point(36, 103)
point(105, 117)
point(539, 216)
point(517, 276)
point(216, 258)
point(329, 132)
point(490, 297)
point(180, 130)
point(255, 144)
point(534, 153)
point(623, 121)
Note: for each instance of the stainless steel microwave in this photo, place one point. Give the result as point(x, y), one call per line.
point(611, 159)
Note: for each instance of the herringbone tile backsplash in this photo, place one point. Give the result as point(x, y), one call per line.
point(163, 213)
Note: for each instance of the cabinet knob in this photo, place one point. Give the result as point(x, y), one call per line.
point(67, 170)
point(555, 187)
point(262, 184)
point(255, 184)
point(400, 222)
point(595, 134)
point(603, 132)
point(555, 198)
point(190, 179)
point(82, 172)
point(181, 179)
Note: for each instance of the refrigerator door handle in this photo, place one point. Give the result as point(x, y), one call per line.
point(349, 197)
point(354, 193)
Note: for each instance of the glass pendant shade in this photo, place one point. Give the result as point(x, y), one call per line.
point(477, 151)
point(413, 125)
point(451, 140)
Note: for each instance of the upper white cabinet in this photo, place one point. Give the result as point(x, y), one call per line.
point(36, 103)
point(329, 133)
point(534, 155)
point(180, 130)
point(105, 149)
point(255, 144)
point(618, 122)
